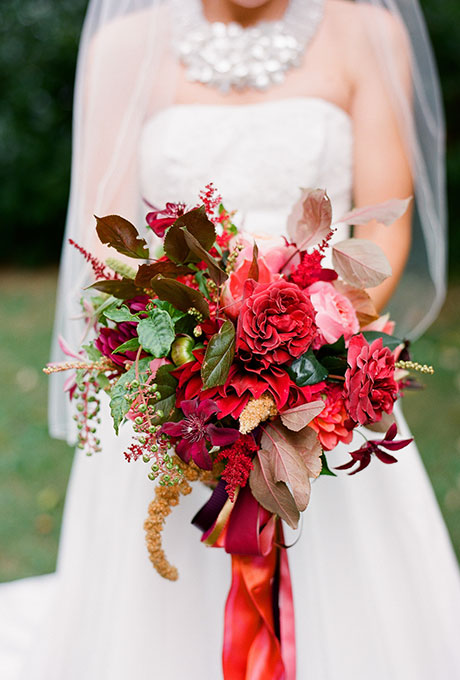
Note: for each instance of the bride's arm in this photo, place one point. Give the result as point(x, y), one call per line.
point(381, 165)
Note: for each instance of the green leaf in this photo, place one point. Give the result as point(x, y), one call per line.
point(120, 234)
point(119, 406)
point(325, 470)
point(123, 289)
point(156, 333)
point(92, 352)
point(116, 313)
point(166, 386)
point(200, 278)
point(199, 225)
point(122, 268)
point(179, 295)
point(306, 370)
point(102, 381)
point(130, 345)
point(174, 313)
point(219, 356)
point(388, 340)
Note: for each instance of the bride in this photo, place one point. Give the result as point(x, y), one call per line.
point(343, 97)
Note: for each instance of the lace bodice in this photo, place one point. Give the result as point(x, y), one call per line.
point(257, 155)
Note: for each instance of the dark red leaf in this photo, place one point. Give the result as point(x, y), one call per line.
point(147, 272)
point(253, 272)
point(120, 234)
point(123, 289)
point(180, 296)
point(199, 225)
point(215, 272)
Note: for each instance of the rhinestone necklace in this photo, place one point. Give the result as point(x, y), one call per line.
point(229, 56)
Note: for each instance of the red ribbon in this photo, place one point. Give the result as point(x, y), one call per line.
point(259, 635)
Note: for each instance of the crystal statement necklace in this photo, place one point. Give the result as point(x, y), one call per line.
point(229, 56)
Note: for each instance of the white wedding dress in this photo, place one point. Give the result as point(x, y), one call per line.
point(376, 584)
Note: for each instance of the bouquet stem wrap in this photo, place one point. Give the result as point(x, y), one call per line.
point(259, 635)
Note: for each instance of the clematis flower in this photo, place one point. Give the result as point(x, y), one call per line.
point(363, 455)
point(160, 219)
point(192, 434)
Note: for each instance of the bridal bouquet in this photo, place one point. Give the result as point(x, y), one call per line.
point(241, 362)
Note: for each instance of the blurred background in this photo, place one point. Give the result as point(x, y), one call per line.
point(38, 47)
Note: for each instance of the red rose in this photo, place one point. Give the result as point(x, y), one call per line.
point(276, 322)
point(370, 387)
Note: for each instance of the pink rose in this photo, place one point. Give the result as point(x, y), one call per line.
point(232, 293)
point(370, 387)
point(335, 315)
point(273, 250)
point(276, 323)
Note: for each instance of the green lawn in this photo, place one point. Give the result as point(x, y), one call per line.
point(34, 469)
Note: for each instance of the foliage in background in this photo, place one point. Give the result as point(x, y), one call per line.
point(38, 46)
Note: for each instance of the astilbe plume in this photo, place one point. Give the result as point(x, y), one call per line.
point(99, 268)
point(211, 200)
point(239, 463)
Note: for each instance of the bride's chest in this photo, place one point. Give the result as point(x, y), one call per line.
point(257, 155)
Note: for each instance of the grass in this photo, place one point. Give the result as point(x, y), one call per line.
point(34, 468)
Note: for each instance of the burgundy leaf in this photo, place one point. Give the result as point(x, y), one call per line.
point(273, 496)
point(120, 234)
point(199, 225)
point(147, 272)
point(298, 417)
point(253, 272)
point(215, 272)
point(123, 288)
point(179, 295)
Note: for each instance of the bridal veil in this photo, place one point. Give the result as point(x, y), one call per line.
point(114, 93)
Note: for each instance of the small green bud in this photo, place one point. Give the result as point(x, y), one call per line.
point(181, 350)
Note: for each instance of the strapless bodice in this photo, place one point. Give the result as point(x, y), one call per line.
point(257, 156)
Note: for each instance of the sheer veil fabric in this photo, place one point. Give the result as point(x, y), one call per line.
point(359, 534)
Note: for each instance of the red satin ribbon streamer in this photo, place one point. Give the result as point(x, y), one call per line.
point(259, 635)
point(252, 650)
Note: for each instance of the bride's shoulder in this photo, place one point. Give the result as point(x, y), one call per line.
point(359, 27)
point(356, 20)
